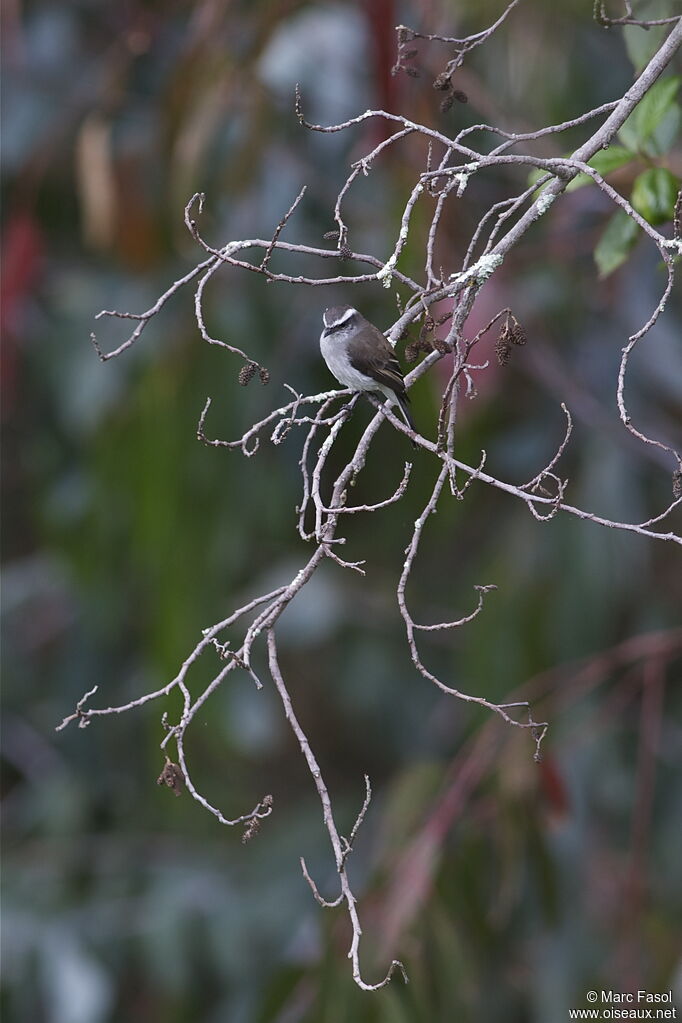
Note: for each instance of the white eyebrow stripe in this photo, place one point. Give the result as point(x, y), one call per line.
point(346, 316)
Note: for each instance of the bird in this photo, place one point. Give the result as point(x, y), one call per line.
point(361, 358)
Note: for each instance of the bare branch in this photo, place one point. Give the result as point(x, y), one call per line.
point(397, 494)
point(411, 628)
point(449, 165)
point(601, 17)
point(627, 351)
point(278, 230)
point(340, 853)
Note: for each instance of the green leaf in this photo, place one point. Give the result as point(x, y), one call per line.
point(616, 243)
point(654, 194)
point(648, 114)
point(607, 160)
point(604, 162)
point(667, 133)
point(641, 46)
point(534, 175)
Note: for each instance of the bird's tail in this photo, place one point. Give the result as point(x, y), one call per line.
point(404, 403)
point(404, 406)
point(402, 400)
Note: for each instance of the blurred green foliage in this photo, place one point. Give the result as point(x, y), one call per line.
point(509, 889)
point(651, 131)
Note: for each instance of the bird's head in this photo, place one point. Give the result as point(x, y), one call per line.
point(340, 318)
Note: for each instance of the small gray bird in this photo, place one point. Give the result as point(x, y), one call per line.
point(360, 357)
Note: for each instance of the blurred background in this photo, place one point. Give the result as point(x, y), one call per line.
point(508, 888)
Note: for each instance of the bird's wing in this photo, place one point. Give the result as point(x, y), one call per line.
point(381, 366)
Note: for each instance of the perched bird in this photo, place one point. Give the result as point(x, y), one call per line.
point(360, 357)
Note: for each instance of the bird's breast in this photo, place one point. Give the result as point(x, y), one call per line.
point(336, 357)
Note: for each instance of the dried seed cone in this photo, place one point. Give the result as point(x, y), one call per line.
point(677, 483)
point(503, 349)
